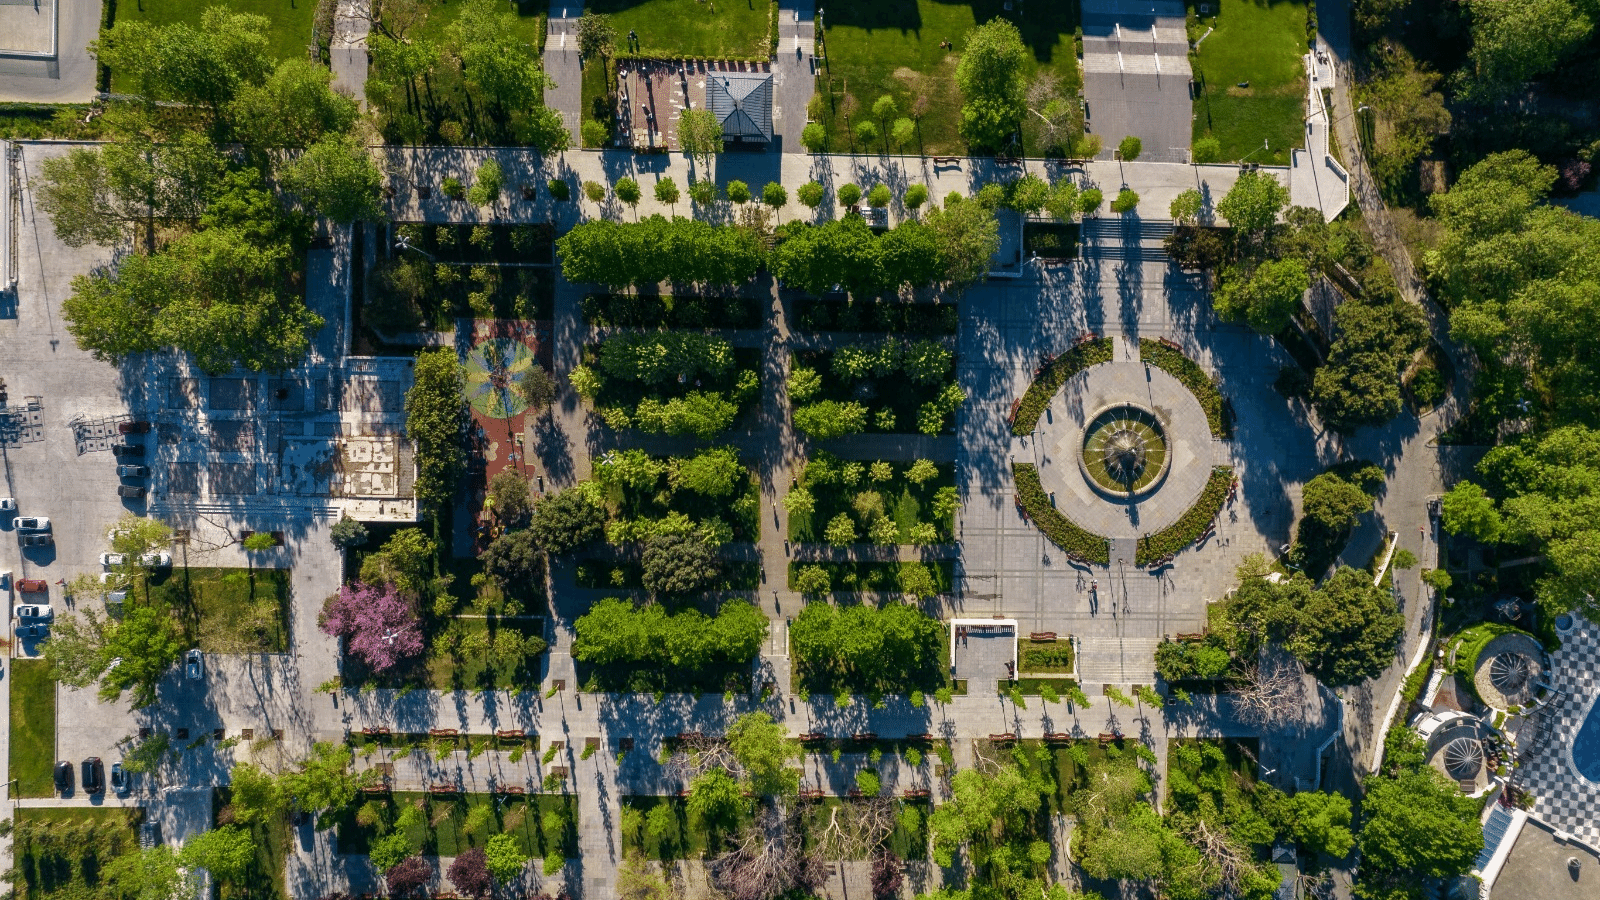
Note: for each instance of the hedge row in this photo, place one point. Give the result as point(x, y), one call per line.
point(1050, 380)
point(1074, 540)
point(1189, 373)
point(1194, 522)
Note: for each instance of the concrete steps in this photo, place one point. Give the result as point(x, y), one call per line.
point(1116, 660)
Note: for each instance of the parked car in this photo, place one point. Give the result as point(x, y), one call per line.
point(32, 585)
point(133, 471)
point(194, 664)
point(119, 778)
point(8, 505)
point(133, 427)
point(157, 559)
point(130, 491)
point(112, 560)
point(36, 540)
point(35, 611)
point(116, 597)
point(33, 523)
point(63, 777)
point(127, 449)
point(94, 776)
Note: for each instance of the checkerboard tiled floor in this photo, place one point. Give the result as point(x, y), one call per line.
point(1563, 799)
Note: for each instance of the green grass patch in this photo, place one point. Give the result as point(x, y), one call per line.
point(1172, 361)
point(59, 853)
point(289, 22)
point(228, 610)
point(741, 510)
point(33, 727)
point(663, 828)
point(1033, 687)
point(1469, 644)
point(892, 47)
point(1192, 524)
point(596, 98)
point(1258, 44)
point(1045, 656)
point(908, 840)
point(672, 29)
point(625, 575)
point(907, 503)
point(1073, 539)
point(1055, 374)
point(265, 878)
point(876, 577)
point(448, 825)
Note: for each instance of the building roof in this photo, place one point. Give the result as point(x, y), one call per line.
point(742, 102)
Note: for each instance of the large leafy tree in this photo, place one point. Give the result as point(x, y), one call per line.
point(337, 179)
point(293, 108)
point(990, 75)
point(864, 643)
point(1265, 298)
point(657, 249)
point(324, 781)
point(503, 70)
point(1252, 205)
point(763, 750)
point(613, 631)
point(968, 236)
point(436, 409)
point(700, 136)
point(94, 196)
point(679, 563)
point(1515, 42)
point(565, 521)
point(1374, 341)
point(145, 644)
point(1343, 631)
point(380, 627)
point(229, 852)
point(205, 66)
point(1415, 825)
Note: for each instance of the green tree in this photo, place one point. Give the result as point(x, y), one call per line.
point(738, 192)
point(510, 497)
point(1322, 823)
point(666, 190)
point(1125, 202)
point(763, 750)
point(145, 644)
point(715, 472)
point(904, 131)
point(879, 196)
point(502, 70)
point(774, 195)
point(814, 137)
point(866, 132)
point(967, 236)
point(152, 874)
point(1414, 825)
point(830, 419)
point(76, 649)
point(916, 579)
point(810, 194)
point(1252, 205)
point(389, 851)
point(1360, 384)
point(916, 195)
point(436, 410)
point(203, 66)
point(537, 388)
point(229, 852)
point(627, 190)
point(489, 181)
point(813, 580)
point(716, 798)
point(849, 194)
point(295, 107)
point(700, 135)
point(406, 561)
point(991, 80)
point(347, 533)
point(841, 530)
point(1468, 510)
point(1512, 44)
point(505, 858)
point(566, 520)
point(596, 35)
point(1347, 631)
point(337, 179)
point(1186, 207)
point(1207, 150)
point(1334, 502)
point(679, 563)
point(324, 782)
point(1089, 200)
point(1129, 148)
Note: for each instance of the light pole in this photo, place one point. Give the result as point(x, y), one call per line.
point(1264, 146)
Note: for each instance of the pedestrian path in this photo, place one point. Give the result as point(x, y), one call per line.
point(563, 64)
point(348, 50)
point(1315, 178)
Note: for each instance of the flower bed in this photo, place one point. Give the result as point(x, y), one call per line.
point(1054, 375)
point(1076, 541)
point(1171, 360)
point(1194, 523)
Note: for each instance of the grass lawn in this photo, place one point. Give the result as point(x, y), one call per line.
point(908, 840)
point(737, 29)
point(444, 829)
point(264, 881)
point(228, 610)
point(892, 47)
point(663, 828)
point(59, 853)
point(289, 21)
point(466, 654)
point(1055, 656)
point(33, 727)
point(1259, 44)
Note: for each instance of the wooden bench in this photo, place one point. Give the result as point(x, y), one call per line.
point(1108, 738)
point(863, 737)
point(443, 732)
point(811, 794)
point(1002, 738)
point(1192, 636)
point(916, 793)
point(813, 737)
point(1042, 636)
point(924, 737)
point(1057, 737)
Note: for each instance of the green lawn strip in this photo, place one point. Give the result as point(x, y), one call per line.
point(1031, 687)
point(289, 22)
point(1259, 44)
point(595, 95)
point(59, 853)
point(1172, 361)
point(1055, 374)
point(677, 29)
point(741, 575)
point(890, 316)
point(1192, 524)
point(444, 831)
point(907, 503)
point(892, 47)
point(458, 659)
point(676, 833)
point(228, 610)
point(670, 311)
point(876, 577)
point(1045, 656)
point(265, 881)
point(33, 727)
point(1072, 538)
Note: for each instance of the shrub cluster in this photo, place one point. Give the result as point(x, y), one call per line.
point(867, 649)
point(915, 319)
point(1206, 660)
point(657, 249)
point(1053, 377)
point(615, 632)
point(849, 501)
point(848, 253)
point(668, 382)
point(1192, 524)
point(903, 381)
point(1074, 540)
point(1189, 373)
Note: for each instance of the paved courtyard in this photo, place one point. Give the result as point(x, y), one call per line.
point(1563, 797)
point(1136, 76)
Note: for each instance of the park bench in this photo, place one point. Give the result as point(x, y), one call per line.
point(1041, 636)
point(1057, 737)
point(916, 793)
point(863, 737)
point(442, 732)
point(375, 732)
point(1005, 738)
point(1192, 636)
point(514, 734)
point(812, 737)
point(924, 737)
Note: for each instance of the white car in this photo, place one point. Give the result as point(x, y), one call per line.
point(158, 559)
point(112, 560)
point(8, 505)
point(34, 611)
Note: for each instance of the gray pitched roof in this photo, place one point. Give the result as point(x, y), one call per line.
point(742, 102)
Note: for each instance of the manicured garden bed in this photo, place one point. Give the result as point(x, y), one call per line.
point(1172, 361)
point(1033, 687)
point(673, 311)
point(448, 827)
point(467, 653)
point(664, 828)
point(626, 575)
point(641, 491)
point(1192, 524)
point(876, 387)
point(1045, 656)
point(1054, 375)
point(1076, 541)
point(868, 649)
point(696, 384)
point(847, 488)
point(33, 727)
point(876, 577)
point(1050, 240)
point(481, 244)
point(409, 292)
point(891, 316)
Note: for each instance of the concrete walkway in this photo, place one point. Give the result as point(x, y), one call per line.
point(1315, 178)
point(794, 73)
point(563, 64)
point(348, 51)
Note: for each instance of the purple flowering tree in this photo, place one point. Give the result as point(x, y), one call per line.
point(380, 627)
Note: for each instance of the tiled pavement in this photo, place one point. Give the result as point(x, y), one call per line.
point(1563, 798)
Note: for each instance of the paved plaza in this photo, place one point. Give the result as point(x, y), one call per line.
point(1136, 76)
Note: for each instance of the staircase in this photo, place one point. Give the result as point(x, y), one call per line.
point(1114, 660)
point(1122, 238)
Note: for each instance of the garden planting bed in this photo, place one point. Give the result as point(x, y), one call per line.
point(1052, 376)
point(1193, 525)
point(448, 824)
point(673, 311)
point(886, 315)
point(1073, 539)
point(611, 574)
point(897, 396)
point(876, 577)
point(847, 488)
point(1172, 361)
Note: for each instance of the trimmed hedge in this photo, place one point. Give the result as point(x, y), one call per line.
point(1470, 644)
point(1050, 380)
point(1194, 522)
point(1076, 541)
point(1189, 373)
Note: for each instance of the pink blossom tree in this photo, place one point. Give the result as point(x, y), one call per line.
point(380, 627)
